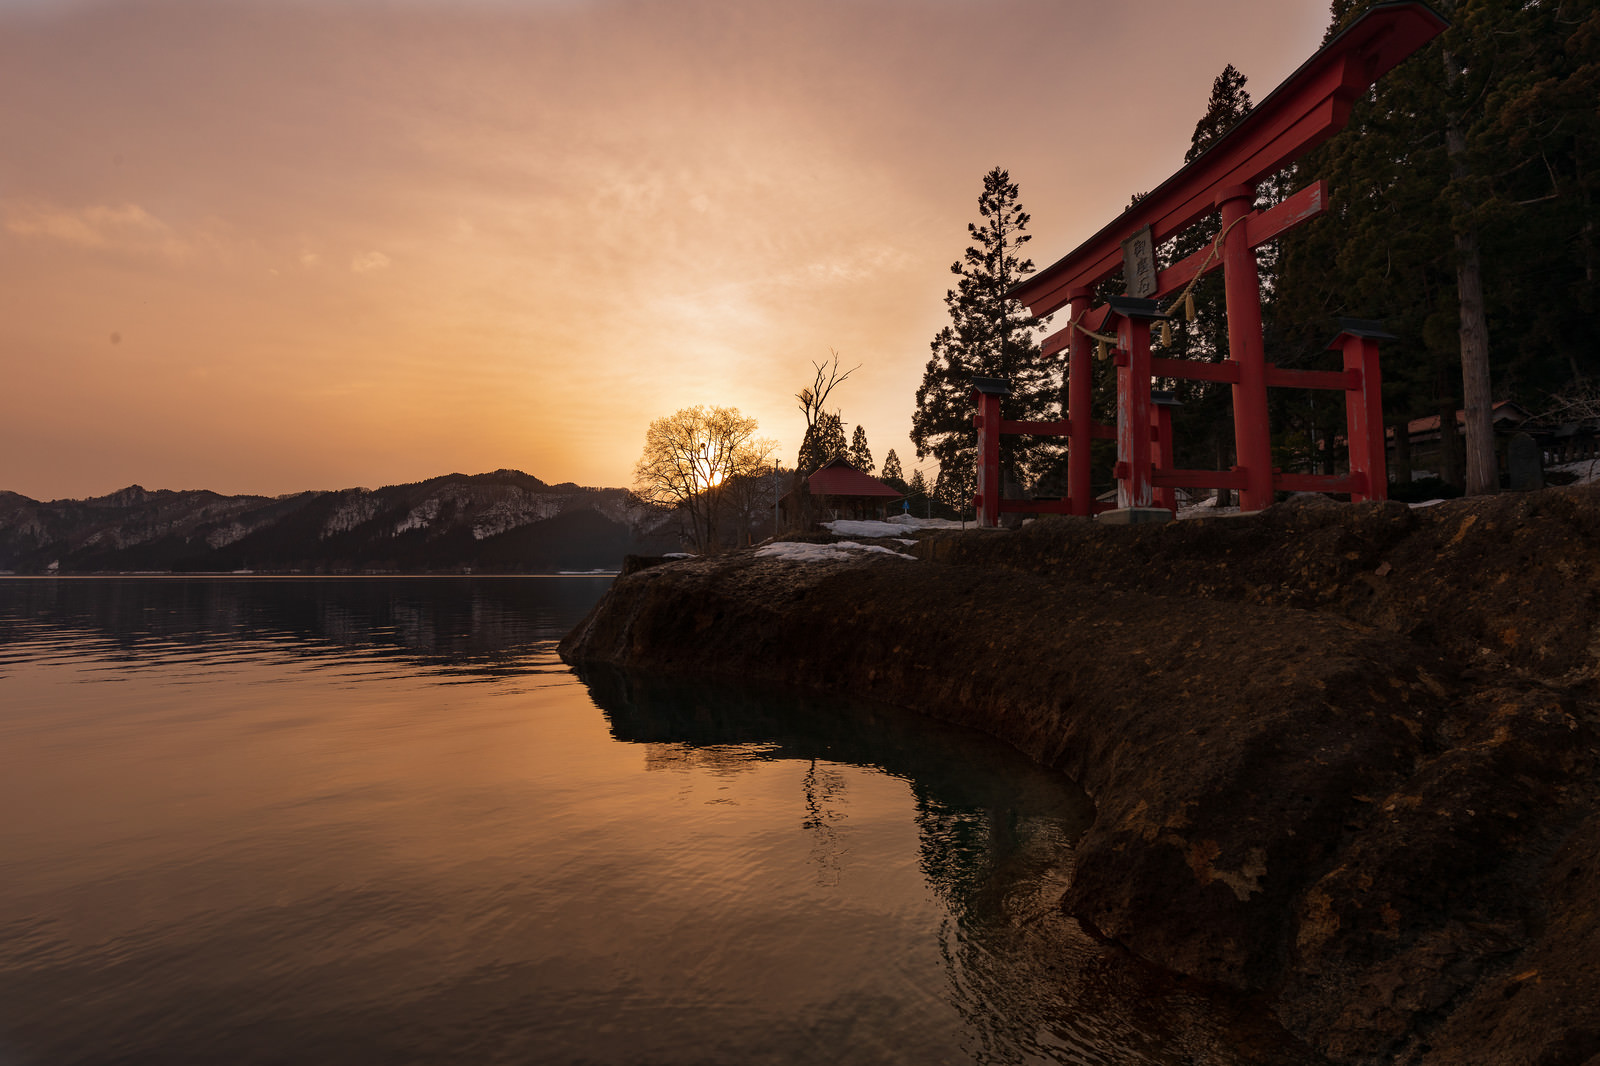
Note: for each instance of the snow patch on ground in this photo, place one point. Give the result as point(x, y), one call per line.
point(796, 551)
point(1587, 471)
point(1203, 508)
point(893, 527)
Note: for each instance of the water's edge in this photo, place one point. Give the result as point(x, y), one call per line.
point(1239, 754)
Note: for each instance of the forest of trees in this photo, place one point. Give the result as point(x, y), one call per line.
point(1462, 214)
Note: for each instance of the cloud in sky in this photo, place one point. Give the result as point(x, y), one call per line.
point(126, 227)
point(357, 243)
point(369, 261)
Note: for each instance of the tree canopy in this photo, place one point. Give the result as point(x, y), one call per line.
point(988, 336)
point(860, 454)
point(1462, 214)
point(891, 470)
point(824, 443)
point(691, 456)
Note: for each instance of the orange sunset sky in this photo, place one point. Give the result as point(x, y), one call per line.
point(259, 246)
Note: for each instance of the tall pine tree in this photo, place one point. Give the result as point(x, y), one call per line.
point(860, 454)
point(824, 442)
point(1463, 213)
point(988, 336)
point(1379, 251)
point(891, 470)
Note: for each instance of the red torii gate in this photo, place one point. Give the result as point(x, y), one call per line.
point(1309, 107)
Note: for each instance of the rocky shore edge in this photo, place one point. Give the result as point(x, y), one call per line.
point(1343, 756)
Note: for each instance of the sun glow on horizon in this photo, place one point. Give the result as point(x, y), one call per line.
point(297, 246)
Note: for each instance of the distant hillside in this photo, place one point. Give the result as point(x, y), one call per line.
point(506, 521)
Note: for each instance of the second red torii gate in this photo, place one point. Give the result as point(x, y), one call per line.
point(1309, 107)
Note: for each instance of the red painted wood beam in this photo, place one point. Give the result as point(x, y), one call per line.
point(987, 421)
point(1309, 107)
point(1355, 483)
point(1198, 479)
point(1056, 429)
point(1195, 370)
point(1059, 341)
point(1313, 379)
point(1308, 203)
point(1037, 429)
point(1036, 506)
point(1093, 320)
point(1260, 227)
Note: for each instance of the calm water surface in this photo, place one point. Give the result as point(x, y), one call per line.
point(280, 820)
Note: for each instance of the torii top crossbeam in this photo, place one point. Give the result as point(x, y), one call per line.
point(1308, 108)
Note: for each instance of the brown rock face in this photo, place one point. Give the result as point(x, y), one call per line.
point(1342, 756)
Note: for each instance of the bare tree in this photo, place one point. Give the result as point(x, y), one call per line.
point(748, 504)
point(1578, 401)
point(691, 457)
point(814, 396)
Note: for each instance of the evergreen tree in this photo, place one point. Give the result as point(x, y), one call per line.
point(823, 444)
point(1464, 196)
point(860, 454)
point(1379, 252)
point(988, 336)
point(1228, 104)
point(891, 470)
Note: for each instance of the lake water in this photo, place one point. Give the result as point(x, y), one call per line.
point(360, 820)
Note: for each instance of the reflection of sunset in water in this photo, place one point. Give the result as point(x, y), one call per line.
point(270, 818)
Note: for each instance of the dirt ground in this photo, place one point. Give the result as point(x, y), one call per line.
point(1343, 756)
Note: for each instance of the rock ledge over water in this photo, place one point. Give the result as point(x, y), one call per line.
point(1343, 756)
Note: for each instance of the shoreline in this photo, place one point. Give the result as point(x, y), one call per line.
point(185, 574)
point(1342, 756)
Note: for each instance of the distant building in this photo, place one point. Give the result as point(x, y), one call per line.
point(1570, 438)
point(1423, 433)
point(839, 490)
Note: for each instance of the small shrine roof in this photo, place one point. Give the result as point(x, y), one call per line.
point(839, 478)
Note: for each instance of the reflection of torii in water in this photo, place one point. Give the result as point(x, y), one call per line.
point(826, 846)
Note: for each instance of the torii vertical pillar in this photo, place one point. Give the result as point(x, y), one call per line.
point(1251, 429)
point(1080, 410)
point(1161, 405)
point(1135, 488)
point(1363, 404)
point(986, 393)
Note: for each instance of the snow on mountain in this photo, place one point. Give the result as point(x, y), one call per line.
point(505, 520)
point(517, 509)
point(359, 507)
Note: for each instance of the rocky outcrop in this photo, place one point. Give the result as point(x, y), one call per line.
point(1343, 757)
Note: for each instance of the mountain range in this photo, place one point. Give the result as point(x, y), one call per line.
point(502, 522)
